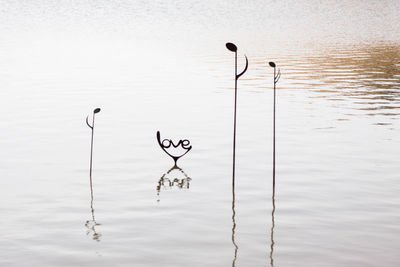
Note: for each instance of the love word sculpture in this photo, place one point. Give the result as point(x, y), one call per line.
point(167, 143)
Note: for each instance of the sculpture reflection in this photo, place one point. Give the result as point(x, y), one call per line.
point(236, 248)
point(91, 224)
point(272, 227)
point(170, 182)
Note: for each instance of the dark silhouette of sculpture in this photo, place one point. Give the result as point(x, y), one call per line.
point(233, 48)
point(277, 75)
point(97, 110)
point(91, 224)
point(167, 143)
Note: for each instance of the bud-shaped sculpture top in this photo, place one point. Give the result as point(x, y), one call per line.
point(231, 47)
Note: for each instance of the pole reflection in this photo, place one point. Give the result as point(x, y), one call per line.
point(272, 228)
point(91, 224)
point(236, 248)
point(165, 182)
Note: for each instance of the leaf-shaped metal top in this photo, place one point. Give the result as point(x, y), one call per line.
point(272, 64)
point(97, 110)
point(231, 47)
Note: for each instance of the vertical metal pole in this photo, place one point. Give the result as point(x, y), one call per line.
point(273, 172)
point(91, 152)
point(234, 124)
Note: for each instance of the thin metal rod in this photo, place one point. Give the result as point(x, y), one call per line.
point(273, 156)
point(234, 124)
point(91, 152)
point(91, 161)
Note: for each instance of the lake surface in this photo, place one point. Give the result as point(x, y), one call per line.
point(153, 66)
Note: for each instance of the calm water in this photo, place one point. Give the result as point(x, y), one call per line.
point(156, 66)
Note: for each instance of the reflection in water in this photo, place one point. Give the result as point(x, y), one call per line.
point(180, 183)
point(234, 226)
point(272, 227)
point(91, 224)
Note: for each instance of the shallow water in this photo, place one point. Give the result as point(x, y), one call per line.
point(156, 66)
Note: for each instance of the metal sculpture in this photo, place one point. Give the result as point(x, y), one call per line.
point(97, 110)
point(91, 224)
point(277, 76)
point(232, 47)
point(167, 143)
